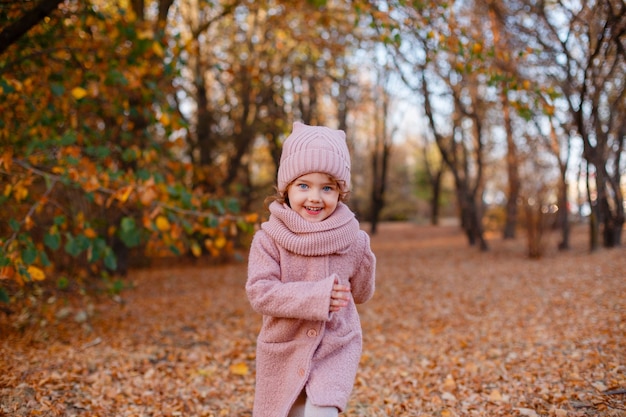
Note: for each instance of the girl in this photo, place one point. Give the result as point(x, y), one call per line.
point(309, 265)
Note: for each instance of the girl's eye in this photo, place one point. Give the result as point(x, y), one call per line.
point(327, 188)
point(303, 186)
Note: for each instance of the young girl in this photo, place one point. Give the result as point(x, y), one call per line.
point(309, 265)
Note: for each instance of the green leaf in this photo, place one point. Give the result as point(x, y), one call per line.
point(116, 77)
point(63, 283)
point(143, 174)
point(212, 221)
point(233, 205)
point(129, 234)
point(129, 154)
point(71, 247)
point(6, 87)
point(4, 297)
point(29, 255)
point(98, 151)
point(14, 224)
point(43, 258)
point(127, 224)
point(217, 205)
point(118, 286)
point(187, 225)
point(53, 241)
point(75, 245)
point(57, 89)
point(110, 261)
point(98, 249)
point(68, 138)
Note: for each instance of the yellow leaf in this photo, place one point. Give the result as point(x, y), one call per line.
point(157, 49)
point(36, 273)
point(123, 193)
point(78, 92)
point(7, 159)
point(162, 224)
point(28, 223)
point(196, 249)
point(20, 192)
point(145, 34)
point(90, 233)
point(220, 242)
point(239, 369)
point(165, 119)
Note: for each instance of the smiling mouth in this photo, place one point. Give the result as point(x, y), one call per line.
point(314, 209)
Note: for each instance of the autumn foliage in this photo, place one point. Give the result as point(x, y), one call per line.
point(449, 333)
point(93, 168)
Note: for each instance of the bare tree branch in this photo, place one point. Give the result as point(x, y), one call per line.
point(11, 34)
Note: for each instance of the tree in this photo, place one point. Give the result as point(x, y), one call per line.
point(90, 158)
point(434, 173)
point(587, 50)
point(381, 147)
point(450, 78)
point(255, 68)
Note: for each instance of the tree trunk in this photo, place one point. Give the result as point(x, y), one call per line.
point(593, 216)
point(510, 224)
point(380, 160)
point(563, 214)
point(434, 202)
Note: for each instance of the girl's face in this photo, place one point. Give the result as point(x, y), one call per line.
point(313, 196)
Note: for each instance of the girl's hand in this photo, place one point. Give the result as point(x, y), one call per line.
point(339, 297)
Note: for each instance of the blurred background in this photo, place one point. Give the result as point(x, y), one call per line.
point(133, 131)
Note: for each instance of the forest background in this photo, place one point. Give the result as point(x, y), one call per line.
point(134, 131)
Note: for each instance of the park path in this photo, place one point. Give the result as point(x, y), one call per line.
point(451, 331)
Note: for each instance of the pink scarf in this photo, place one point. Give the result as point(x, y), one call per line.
point(333, 235)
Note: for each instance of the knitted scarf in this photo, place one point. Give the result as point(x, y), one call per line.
point(332, 235)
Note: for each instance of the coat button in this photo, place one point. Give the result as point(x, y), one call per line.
point(301, 371)
point(311, 333)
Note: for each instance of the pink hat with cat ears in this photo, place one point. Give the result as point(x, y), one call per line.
point(314, 149)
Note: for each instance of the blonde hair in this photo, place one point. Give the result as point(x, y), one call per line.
point(282, 198)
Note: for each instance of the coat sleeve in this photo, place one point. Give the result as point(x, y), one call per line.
point(268, 295)
point(363, 282)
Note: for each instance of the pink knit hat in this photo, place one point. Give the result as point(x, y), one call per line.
point(314, 149)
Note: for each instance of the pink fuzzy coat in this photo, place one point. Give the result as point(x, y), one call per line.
point(292, 267)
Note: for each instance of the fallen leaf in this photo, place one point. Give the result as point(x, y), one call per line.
point(239, 368)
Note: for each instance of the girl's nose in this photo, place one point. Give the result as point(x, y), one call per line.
point(314, 196)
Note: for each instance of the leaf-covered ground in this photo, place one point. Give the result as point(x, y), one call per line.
point(450, 332)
